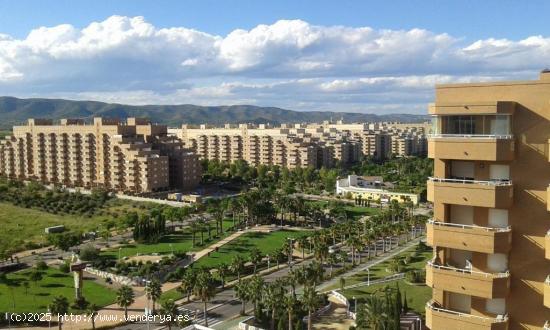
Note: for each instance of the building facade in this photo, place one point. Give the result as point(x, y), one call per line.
point(131, 157)
point(303, 145)
point(372, 189)
point(490, 146)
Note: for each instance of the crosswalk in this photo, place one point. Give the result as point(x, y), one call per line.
point(197, 316)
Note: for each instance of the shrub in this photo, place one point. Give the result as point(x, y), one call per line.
point(89, 253)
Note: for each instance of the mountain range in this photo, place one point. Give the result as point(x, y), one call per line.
point(14, 111)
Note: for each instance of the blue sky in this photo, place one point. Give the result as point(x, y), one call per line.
point(363, 56)
point(468, 19)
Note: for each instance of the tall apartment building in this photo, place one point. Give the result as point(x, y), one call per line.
point(293, 145)
point(132, 157)
point(491, 200)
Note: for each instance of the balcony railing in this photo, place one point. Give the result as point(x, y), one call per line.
point(458, 225)
point(546, 325)
point(472, 136)
point(499, 319)
point(467, 181)
point(469, 271)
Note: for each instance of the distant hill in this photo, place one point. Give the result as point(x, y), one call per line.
point(15, 111)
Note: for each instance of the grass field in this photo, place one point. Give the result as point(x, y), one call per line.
point(35, 298)
point(265, 242)
point(352, 211)
point(21, 225)
point(417, 295)
point(176, 242)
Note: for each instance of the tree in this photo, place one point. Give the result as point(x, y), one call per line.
point(223, 269)
point(205, 290)
point(153, 290)
point(65, 241)
point(91, 311)
point(242, 292)
point(342, 284)
point(187, 283)
point(35, 276)
point(89, 253)
point(170, 311)
point(237, 266)
point(59, 306)
point(256, 286)
point(125, 298)
point(290, 305)
point(310, 301)
point(80, 303)
point(255, 257)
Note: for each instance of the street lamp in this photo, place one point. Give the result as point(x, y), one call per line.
point(368, 276)
point(291, 246)
point(148, 311)
point(268, 262)
point(171, 248)
point(119, 249)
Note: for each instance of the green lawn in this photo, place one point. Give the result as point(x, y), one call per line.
point(180, 241)
point(54, 283)
point(265, 242)
point(417, 295)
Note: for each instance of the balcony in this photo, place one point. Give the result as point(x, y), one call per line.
point(547, 292)
point(469, 237)
point(493, 194)
point(468, 282)
point(441, 318)
point(471, 147)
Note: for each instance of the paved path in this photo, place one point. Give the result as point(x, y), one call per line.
point(334, 319)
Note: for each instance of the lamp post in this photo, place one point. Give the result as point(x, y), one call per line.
point(171, 248)
point(291, 246)
point(268, 262)
point(368, 276)
point(148, 311)
point(119, 249)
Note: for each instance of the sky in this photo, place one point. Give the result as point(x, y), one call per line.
point(358, 56)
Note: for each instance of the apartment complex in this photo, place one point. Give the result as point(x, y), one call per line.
point(303, 145)
point(132, 157)
point(490, 146)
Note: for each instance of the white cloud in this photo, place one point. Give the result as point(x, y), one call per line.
point(289, 63)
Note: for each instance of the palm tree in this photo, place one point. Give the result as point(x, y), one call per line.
point(290, 305)
point(352, 244)
point(302, 243)
point(194, 226)
point(223, 269)
point(242, 292)
point(237, 266)
point(125, 298)
point(92, 313)
point(205, 290)
point(255, 258)
point(375, 312)
point(332, 259)
point(272, 299)
point(310, 301)
point(187, 283)
point(153, 291)
point(321, 251)
point(59, 306)
point(170, 310)
point(256, 286)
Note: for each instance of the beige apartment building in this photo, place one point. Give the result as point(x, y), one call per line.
point(490, 146)
point(132, 157)
point(303, 145)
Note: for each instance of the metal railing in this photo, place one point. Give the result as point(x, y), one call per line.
point(472, 136)
point(546, 325)
point(500, 318)
point(462, 226)
point(468, 271)
point(468, 181)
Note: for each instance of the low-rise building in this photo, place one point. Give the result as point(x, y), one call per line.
point(372, 188)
